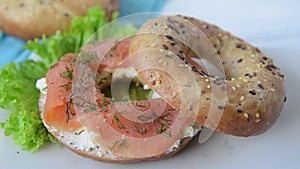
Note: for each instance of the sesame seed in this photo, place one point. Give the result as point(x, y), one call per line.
point(153, 82)
point(206, 80)
point(66, 14)
point(221, 107)
point(165, 47)
point(233, 88)
point(208, 86)
point(160, 61)
point(246, 115)
point(191, 107)
point(261, 86)
point(272, 89)
point(240, 60)
point(161, 50)
point(253, 92)
point(242, 98)
point(257, 120)
point(257, 115)
point(169, 37)
point(173, 43)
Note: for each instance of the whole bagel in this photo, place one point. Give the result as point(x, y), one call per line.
point(33, 18)
point(246, 102)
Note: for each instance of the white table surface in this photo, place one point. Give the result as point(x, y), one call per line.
point(271, 25)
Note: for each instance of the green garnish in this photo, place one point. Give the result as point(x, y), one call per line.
point(68, 74)
point(118, 144)
point(17, 92)
point(17, 80)
point(164, 123)
point(117, 120)
point(139, 129)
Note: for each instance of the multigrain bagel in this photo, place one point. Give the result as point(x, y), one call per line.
point(33, 18)
point(246, 102)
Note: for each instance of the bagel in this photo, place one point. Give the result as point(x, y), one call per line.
point(246, 102)
point(91, 132)
point(32, 18)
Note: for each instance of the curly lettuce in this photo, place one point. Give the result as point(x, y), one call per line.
point(17, 80)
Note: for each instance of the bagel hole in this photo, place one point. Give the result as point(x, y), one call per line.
point(134, 92)
point(123, 85)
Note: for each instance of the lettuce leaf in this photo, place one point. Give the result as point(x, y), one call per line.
point(17, 80)
point(81, 30)
point(17, 92)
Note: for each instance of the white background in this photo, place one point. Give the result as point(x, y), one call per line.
point(273, 26)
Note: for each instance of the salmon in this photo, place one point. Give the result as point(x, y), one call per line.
point(135, 129)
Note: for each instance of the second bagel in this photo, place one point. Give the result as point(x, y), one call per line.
point(248, 100)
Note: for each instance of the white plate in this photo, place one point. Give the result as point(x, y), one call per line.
point(269, 25)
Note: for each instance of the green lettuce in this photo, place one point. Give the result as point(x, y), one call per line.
point(17, 92)
point(17, 80)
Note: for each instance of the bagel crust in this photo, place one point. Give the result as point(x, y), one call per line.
point(248, 100)
point(32, 18)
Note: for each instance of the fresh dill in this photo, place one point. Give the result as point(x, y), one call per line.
point(117, 120)
point(139, 129)
point(118, 144)
point(68, 74)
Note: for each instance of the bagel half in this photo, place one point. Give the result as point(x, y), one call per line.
point(83, 140)
point(246, 102)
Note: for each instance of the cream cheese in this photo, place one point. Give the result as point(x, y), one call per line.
point(125, 73)
point(41, 85)
point(190, 131)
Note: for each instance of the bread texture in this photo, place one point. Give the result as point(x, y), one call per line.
point(32, 18)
